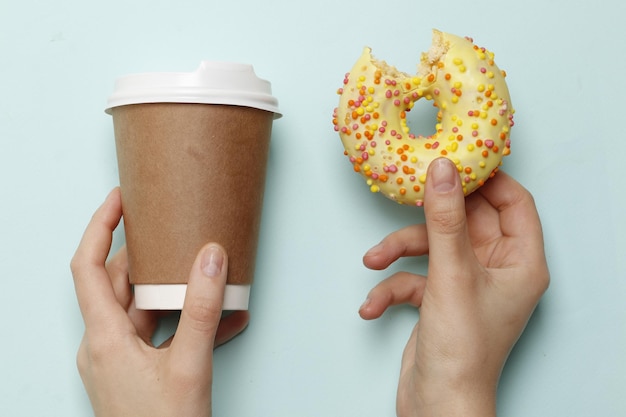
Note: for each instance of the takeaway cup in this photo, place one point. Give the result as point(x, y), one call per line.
point(192, 152)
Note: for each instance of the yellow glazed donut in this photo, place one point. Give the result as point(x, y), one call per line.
point(473, 123)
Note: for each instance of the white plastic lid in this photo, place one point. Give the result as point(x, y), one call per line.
point(172, 297)
point(212, 83)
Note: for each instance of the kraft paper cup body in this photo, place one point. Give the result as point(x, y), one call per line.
point(192, 152)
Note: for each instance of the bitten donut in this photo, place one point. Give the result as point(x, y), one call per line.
point(473, 122)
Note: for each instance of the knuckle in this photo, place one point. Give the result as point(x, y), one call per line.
point(448, 221)
point(203, 315)
point(99, 350)
point(76, 265)
point(185, 379)
point(98, 353)
point(541, 282)
point(79, 266)
point(82, 361)
point(527, 197)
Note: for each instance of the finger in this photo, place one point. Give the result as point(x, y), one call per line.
point(117, 268)
point(202, 309)
point(483, 222)
point(94, 291)
point(520, 223)
point(409, 241)
point(515, 204)
point(444, 208)
point(145, 322)
point(231, 325)
point(400, 288)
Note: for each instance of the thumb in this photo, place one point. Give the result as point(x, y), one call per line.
point(195, 337)
point(444, 208)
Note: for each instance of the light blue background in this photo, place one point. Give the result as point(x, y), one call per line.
point(307, 352)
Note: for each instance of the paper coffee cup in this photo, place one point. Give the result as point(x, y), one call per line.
point(192, 152)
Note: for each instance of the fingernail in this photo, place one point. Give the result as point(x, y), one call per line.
point(212, 261)
point(442, 175)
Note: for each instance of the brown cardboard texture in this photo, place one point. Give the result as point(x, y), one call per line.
point(190, 174)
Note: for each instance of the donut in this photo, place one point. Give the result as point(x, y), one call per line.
point(474, 118)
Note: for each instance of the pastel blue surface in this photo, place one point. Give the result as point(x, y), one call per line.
point(307, 352)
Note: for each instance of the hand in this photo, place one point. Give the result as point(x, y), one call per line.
point(487, 271)
point(123, 373)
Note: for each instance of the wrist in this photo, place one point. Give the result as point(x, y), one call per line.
point(449, 396)
point(458, 404)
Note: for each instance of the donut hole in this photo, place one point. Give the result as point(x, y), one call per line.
point(422, 118)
